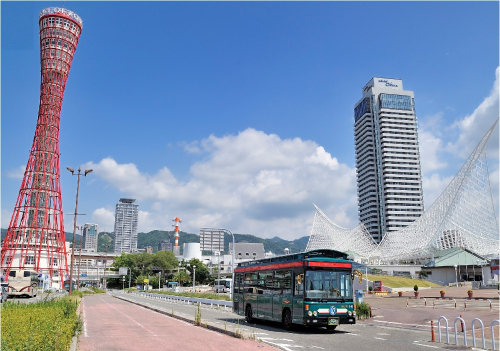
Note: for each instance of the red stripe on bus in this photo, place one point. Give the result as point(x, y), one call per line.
point(269, 266)
point(329, 264)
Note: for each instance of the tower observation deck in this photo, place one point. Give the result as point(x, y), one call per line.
point(35, 238)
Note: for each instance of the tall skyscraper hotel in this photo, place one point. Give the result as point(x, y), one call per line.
point(387, 157)
point(126, 221)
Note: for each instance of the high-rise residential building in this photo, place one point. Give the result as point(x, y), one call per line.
point(90, 233)
point(126, 220)
point(387, 157)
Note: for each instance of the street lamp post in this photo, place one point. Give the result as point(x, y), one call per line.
point(232, 260)
point(456, 278)
point(194, 275)
point(123, 283)
point(87, 171)
point(105, 259)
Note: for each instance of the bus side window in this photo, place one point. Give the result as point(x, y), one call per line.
point(299, 284)
point(12, 274)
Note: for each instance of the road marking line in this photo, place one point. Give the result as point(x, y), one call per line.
point(84, 324)
point(139, 324)
point(352, 334)
point(379, 338)
point(435, 347)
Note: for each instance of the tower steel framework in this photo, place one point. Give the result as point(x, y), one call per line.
point(35, 238)
point(462, 216)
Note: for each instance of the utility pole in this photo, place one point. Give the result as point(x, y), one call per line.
point(87, 171)
point(80, 256)
point(105, 259)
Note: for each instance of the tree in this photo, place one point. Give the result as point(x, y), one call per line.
point(164, 260)
point(202, 271)
point(181, 277)
point(144, 262)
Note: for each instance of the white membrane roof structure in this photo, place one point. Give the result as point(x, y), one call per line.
point(462, 216)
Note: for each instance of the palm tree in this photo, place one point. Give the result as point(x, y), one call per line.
point(181, 277)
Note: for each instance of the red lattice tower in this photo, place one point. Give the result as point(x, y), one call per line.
point(35, 239)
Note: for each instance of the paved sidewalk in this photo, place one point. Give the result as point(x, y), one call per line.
point(113, 324)
point(453, 292)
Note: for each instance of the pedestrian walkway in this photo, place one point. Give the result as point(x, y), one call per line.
point(113, 324)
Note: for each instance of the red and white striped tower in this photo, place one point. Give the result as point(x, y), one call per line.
point(177, 249)
point(35, 237)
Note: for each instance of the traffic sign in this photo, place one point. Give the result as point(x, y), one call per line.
point(146, 280)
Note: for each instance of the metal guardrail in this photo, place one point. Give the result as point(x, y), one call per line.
point(464, 330)
point(444, 298)
point(416, 298)
point(184, 299)
point(473, 299)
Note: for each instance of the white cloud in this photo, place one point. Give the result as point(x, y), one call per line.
point(17, 173)
point(474, 126)
point(433, 187)
point(252, 182)
point(104, 218)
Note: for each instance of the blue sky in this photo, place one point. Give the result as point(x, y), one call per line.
point(240, 114)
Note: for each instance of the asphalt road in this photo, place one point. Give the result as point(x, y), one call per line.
point(361, 336)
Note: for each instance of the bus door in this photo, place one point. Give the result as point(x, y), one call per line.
point(283, 293)
point(264, 295)
point(298, 296)
point(237, 293)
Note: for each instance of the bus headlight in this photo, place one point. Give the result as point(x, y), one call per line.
point(354, 313)
point(315, 313)
point(349, 313)
point(309, 313)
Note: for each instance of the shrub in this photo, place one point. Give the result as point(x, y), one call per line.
point(469, 291)
point(415, 287)
point(441, 291)
point(363, 310)
point(370, 288)
point(47, 325)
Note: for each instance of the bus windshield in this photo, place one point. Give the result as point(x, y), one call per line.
point(326, 284)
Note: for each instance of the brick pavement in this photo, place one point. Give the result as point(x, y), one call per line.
point(112, 324)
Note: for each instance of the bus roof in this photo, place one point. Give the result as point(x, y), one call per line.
point(312, 255)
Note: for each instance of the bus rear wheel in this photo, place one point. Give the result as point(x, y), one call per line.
point(287, 320)
point(249, 315)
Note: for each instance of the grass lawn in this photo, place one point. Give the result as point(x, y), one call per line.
point(401, 282)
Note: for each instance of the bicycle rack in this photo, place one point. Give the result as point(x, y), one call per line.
point(465, 331)
point(439, 329)
point(474, 335)
point(492, 333)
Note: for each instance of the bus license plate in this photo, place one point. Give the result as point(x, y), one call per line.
point(333, 321)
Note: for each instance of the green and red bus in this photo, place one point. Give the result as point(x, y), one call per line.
point(312, 288)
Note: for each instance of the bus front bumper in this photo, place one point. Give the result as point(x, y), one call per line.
point(324, 321)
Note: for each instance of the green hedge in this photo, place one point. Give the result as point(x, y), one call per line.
point(48, 325)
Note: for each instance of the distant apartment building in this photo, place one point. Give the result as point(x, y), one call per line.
point(165, 245)
point(126, 221)
point(389, 178)
point(90, 237)
point(149, 249)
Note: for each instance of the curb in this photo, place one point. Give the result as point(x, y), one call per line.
point(74, 341)
point(240, 335)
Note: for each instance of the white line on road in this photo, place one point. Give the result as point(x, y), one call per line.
point(435, 347)
point(352, 334)
point(84, 323)
point(139, 324)
point(379, 338)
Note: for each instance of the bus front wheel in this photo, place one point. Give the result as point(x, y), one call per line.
point(287, 320)
point(249, 315)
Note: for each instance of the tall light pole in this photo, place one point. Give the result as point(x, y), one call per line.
point(194, 275)
point(456, 278)
point(232, 260)
point(87, 171)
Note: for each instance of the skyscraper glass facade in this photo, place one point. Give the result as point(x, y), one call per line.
point(90, 237)
point(126, 221)
point(387, 157)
